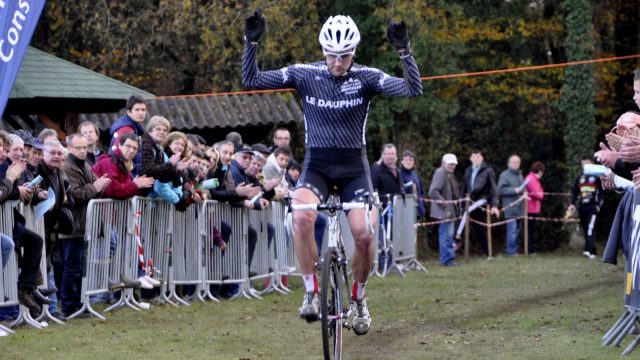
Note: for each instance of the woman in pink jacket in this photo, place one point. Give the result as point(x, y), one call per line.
point(536, 194)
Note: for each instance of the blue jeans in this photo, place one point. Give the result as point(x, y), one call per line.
point(513, 237)
point(445, 241)
point(53, 308)
point(6, 243)
point(73, 250)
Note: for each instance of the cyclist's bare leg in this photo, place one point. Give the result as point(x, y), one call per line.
point(303, 231)
point(364, 246)
point(361, 265)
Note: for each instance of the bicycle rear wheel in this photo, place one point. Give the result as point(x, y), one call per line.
point(382, 262)
point(331, 306)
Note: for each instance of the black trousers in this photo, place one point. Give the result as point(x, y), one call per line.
point(31, 245)
point(480, 231)
point(587, 222)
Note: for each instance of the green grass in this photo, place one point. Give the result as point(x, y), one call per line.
point(539, 307)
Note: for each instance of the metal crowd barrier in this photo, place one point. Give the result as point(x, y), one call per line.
point(285, 259)
point(119, 225)
point(37, 225)
point(97, 253)
point(230, 266)
point(183, 251)
point(262, 265)
point(404, 232)
point(212, 215)
point(8, 274)
point(155, 230)
point(187, 252)
point(235, 264)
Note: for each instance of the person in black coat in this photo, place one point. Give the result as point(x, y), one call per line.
point(480, 184)
point(385, 175)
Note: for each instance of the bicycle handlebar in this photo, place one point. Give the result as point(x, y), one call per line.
point(329, 207)
point(340, 206)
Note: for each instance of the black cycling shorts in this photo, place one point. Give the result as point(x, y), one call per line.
point(328, 168)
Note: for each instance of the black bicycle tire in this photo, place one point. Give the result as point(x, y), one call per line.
point(383, 254)
point(330, 269)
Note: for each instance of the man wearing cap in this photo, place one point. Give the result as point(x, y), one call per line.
point(239, 169)
point(444, 187)
point(262, 149)
point(510, 189)
point(36, 154)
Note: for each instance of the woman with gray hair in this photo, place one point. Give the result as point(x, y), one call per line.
point(153, 164)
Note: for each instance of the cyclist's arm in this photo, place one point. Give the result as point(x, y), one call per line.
point(252, 77)
point(408, 86)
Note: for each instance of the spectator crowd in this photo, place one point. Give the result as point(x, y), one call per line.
point(144, 158)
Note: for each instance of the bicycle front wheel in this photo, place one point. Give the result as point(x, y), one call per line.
point(331, 306)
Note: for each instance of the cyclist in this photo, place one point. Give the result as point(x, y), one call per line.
point(335, 99)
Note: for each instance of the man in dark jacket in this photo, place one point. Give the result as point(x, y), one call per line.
point(131, 123)
point(54, 180)
point(239, 166)
point(229, 191)
point(510, 187)
point(444, 187)
point(386, 179)
point(385, 176)
point(480, 184)
point(84, 185)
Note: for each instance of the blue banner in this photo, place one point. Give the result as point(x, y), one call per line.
point(18, 20)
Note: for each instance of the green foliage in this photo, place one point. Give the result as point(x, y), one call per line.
point(174, 47)
point(184, 47)
point(578, 90)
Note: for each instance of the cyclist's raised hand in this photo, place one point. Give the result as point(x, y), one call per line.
point(397, 34)
point(254, 26)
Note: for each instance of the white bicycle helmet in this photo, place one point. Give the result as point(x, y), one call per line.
point(339, 35)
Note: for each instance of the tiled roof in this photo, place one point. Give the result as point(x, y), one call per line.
point(217, 111)
point(43, 75)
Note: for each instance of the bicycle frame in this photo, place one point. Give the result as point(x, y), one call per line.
point(335, 310)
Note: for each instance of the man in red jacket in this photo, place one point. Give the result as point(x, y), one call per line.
point(118, 165)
